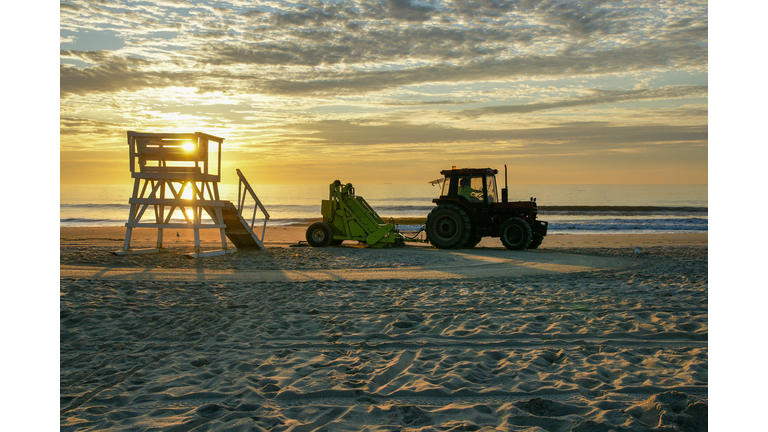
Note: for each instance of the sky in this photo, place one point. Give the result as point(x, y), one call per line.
point(392, 91)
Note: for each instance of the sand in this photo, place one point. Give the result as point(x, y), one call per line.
point(582, 334)
point(285, 236)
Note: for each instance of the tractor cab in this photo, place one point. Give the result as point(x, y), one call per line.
point(471, 185)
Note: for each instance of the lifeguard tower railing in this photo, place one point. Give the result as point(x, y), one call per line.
point(175, 174)
point(241, 231)
point(242, 187)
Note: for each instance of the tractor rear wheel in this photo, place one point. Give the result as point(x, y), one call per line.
point(319, 234)
point(448, 227)
point(536, 241)
point(516, 234)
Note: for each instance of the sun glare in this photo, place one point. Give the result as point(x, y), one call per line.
point(187, 192)
point(188, 146)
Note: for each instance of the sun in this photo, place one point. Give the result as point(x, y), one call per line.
point(188, 146)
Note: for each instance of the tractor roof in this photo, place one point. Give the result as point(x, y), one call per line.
point(469, 171)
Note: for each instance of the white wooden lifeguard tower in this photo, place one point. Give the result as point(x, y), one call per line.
point(171, 172)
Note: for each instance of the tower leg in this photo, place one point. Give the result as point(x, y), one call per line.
point(218, 218)
point(127, 244)
point(223, 238)
point(131, 216)
point(160, 215)
point(197, 241)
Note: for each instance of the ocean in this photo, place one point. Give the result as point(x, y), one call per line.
point(569, 209)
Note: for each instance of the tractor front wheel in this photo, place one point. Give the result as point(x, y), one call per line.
point(448, 227)
point(516, 234)
point(536, 241)
point(319, 234)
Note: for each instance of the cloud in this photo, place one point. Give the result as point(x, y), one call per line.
point(596, 97)
point(584, 19)
point(341, 41)
point(314, 17)
point(115, 73)
point(408, 11)
point(411, 103)
point(307, 77)
point(70, 7)
point(316, 47)
point(114, 76)
point(73, 126)
point(624, 60)
point(572, 137)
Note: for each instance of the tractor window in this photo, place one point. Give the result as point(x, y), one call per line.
point(471, 188)
point(492, 194)
point(477, 186)
point(446, 186)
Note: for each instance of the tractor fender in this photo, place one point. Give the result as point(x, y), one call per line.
point(456, 201)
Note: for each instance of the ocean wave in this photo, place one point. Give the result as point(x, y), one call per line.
point(626, 210)
point(637, 225)
point(87, 222)
point(669, 224)
point(427, 206)
point(567, 210)
point(124, 205)
point(413, 224)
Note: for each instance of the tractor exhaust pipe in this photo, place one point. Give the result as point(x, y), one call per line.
point(505, 191)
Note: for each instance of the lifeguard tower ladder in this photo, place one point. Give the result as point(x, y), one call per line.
point(172, 171)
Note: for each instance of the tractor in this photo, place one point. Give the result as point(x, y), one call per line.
point(469, 209)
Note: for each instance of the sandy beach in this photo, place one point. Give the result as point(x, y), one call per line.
point(582, 334)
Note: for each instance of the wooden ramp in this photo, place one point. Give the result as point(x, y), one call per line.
point(237, 230)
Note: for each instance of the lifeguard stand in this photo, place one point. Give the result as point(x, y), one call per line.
point(171, 172)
